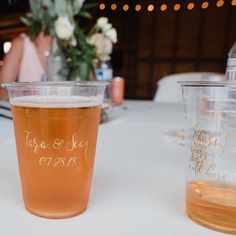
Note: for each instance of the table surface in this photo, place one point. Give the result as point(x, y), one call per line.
point(138, 183)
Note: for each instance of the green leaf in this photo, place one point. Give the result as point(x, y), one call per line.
point(49, 23)
point(51, 9)
point(60, 7)
point(35, 8)
point(70, 13)
point(85, 14)
point(47, 3)
point(89, 5)
point(26, 21)
point(76, 7)
point(36, 28)
point(84, 71)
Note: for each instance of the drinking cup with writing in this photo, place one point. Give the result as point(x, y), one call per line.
point(210, 111)
point(56, 125)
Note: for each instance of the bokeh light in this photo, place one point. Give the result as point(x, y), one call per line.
point(177, 7)
point(190, 6)
point(126, 7)
point(102, 6)
point(205, 5)
point(113, 6)
point(163, 7)
point(220, 3)
point(150, 7)
point(138, 7)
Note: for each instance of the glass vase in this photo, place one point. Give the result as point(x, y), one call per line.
point(55, 62)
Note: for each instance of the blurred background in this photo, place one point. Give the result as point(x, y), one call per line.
point(155, 38)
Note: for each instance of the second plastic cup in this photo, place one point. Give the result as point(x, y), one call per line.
point(210, 111)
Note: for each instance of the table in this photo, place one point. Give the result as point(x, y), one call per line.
point(138, 184)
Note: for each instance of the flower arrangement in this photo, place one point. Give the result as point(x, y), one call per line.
point(102, 36)
point(61, 20)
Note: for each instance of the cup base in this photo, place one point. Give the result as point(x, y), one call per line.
point(54, 215)
point(221, 228)
point(212, 205)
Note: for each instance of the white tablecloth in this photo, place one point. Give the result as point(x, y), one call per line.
point(138, 184)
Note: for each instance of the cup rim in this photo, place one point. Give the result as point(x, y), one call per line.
point(55, 83)
point(229, 84)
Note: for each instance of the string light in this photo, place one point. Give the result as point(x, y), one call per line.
point(220, 3)
point(205, 5)
point(150, 7)
point(190, 6)
point(102, 6)
point(233, 3)
point(113, 6)
point(138, 7)
point(177, 7)
point(163, 7)
point(126, 7)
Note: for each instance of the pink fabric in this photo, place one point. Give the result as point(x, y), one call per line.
point(31, 69)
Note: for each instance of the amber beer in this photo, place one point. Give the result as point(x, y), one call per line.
point(212, 205)
point(56, 142)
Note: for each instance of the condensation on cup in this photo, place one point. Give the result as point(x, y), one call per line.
point(117, 90)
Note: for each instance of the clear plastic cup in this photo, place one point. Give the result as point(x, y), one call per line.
point(210, 111)
point(56, 125)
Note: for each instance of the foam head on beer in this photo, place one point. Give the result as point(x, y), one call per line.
point(54, 101)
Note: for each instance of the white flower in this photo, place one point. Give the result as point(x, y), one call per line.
point(112, 35)
point(103, 46)
point(102, 21)
point(107, 27)
point(63, 27)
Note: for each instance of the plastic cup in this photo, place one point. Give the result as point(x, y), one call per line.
point(56, 125)
point(210, 111)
